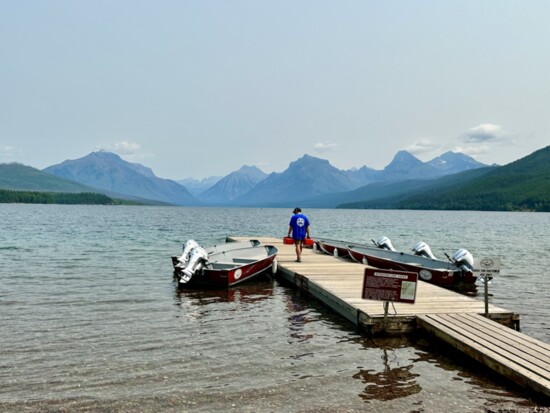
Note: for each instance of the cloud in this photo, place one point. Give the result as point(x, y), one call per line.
point(472, 150)
point(422, 146)
point(484, 139)
point(483, 133)
point(262, 165)
point(324, 147)
point(8, 151)
point(124, 148)
point(129, 151)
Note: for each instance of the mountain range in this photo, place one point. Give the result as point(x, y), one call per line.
point(311, 181)
point(196, 186)
point(306, 178)
point(231, 187)
point(109, 172)
point(406, 182)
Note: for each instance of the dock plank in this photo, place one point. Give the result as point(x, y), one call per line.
point(540, 346)
point(510, 338)
point(500, 344)
point(515, 368)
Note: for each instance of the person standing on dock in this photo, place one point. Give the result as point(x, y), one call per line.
point(299, 228)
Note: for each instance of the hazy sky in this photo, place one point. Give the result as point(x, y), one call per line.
point(201, 88)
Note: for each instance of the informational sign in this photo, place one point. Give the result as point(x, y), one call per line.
point(486, 267)
point(389, 285)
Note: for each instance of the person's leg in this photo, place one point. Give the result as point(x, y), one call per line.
point(298, 245)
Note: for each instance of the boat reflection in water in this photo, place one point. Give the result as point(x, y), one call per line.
point(249, 293)
point(393, 382)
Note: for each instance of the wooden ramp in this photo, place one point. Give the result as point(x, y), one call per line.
point(453, 317)
point(516, 356)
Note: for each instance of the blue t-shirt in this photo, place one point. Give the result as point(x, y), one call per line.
point(299, 223)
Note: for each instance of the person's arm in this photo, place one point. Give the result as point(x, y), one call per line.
point(307, 231)
point(289, 230)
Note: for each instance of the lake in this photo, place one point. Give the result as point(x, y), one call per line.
point(91, 319)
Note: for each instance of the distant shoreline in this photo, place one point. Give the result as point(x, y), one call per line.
point(8, 196)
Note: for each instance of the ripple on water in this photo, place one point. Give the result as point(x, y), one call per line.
point(92, 321)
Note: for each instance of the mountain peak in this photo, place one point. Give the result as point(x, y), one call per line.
point(111, 158)
point(403, 161)
point(453, 162)
point(308, 161)
point(249, 169)
point(304, 178)
point(104, 154)
point(233, 185)
point(108, 171)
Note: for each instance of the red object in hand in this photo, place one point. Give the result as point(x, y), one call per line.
point(308, 242)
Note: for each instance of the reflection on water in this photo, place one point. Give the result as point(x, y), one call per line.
point(299, 314)
point(199, 304)
point(393, 382)
point(249, 293)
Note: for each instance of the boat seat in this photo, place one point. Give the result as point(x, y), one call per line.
point(243, 260)
point(222, 265)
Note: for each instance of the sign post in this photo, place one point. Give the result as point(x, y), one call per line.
point(389, 285)
point(486, 269)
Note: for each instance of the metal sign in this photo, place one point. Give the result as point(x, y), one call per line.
point(389, 285)
point(486, 267)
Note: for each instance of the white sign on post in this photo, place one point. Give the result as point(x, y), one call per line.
point(486, 267)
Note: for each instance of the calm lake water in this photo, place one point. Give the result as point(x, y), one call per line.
point(91, 320)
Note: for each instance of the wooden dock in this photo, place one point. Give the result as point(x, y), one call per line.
point(450, 316)
point(516, 356)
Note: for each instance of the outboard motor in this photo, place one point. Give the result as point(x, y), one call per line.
point(423, 249)
point(385, 244)
point(197, 259)
point(463, 259)
point(187, 248)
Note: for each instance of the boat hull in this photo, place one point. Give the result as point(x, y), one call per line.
point(334, 247)
point(433, 271)
point(222, 278)
point(229, 268)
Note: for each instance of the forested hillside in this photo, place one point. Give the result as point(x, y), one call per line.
point(26, 178)
point(29, 197)
point(523, 185)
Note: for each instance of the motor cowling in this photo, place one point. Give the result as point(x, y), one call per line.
point(187, 248)
point(423, 249)
point(463, 259)
point(385, 243)
point(197, 259)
